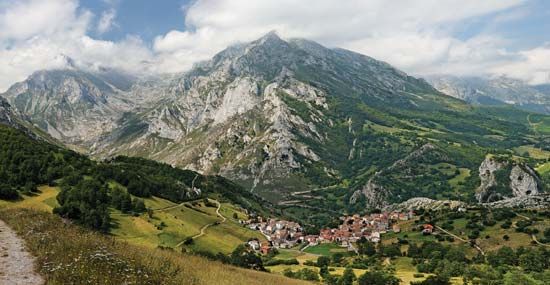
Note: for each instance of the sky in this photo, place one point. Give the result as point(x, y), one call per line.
point(421, 37)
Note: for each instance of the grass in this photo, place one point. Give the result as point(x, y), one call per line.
point(182, 222)
point(44, 200)
point(69, 254)
point(179, 223)
point(533, 152)
point(543, 168)
point(326, 249)
point(460, 178)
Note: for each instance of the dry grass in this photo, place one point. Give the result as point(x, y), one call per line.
point(68, 254)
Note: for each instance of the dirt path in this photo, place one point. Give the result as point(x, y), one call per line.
point(461, 239)
point(16, 264)
point(203, 229)
point(533, 237)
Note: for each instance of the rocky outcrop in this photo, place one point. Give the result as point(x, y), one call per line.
point(487, 171)
point(426, 203)
point(6, 115)
point(524, 181)
point(521, 181)
point(540, 201)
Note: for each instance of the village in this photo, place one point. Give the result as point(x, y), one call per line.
point(287, 234)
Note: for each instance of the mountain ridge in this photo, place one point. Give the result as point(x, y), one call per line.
point(282, 116)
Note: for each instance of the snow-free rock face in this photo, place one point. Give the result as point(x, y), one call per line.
point(524, 181)
point(520, 180)
point(486, 175)
point(70, 105)
point(426, 203)
point(6, 115)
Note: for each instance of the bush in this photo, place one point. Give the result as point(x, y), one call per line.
point(274, 262)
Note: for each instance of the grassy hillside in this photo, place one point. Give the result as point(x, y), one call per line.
point(67, 253)
point(169, 225)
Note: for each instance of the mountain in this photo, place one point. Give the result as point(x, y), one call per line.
point(543, 88)
point(314, 129)
point(6, 114)
point(77, 106)
point(495, 91)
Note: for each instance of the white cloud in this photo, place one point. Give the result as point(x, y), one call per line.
point(416, 36)
point(25, 19)
point(106, 21)
point(532, 66)
point(38, 34)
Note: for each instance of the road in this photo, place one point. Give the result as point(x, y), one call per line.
point(461, 239)
point(205, 227)
point(533, 237)
point(16, 264)
point(178, 205)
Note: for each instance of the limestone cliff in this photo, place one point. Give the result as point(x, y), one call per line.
point(501, 179)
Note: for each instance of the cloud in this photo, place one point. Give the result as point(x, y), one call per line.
point(21, 20)
point(58, 31)
point(533, 66)
point(106, 21)
point(416, 36)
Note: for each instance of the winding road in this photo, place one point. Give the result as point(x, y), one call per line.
point(205, 227)
point(16, 264)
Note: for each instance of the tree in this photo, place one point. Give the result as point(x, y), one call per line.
point(126, 203)
point(434, 280)
point(366, 247)
point(308, 274)
point(243, 257)
point(85, 203)
point(392, 250)
point(337, 258)
point(139, 206)
point(414, 251)
point(516, 277)
point(323, 261)
point(348, 277)
point(8, 193)
point(532, 261)
point(378, 277)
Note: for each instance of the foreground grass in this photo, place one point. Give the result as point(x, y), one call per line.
point(69, 254)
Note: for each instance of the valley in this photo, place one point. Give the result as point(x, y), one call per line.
point(161, 176)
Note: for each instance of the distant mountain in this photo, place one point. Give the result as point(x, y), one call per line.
point(309, 127)
point(495, 91)
point(76, 106)
point(543, 88)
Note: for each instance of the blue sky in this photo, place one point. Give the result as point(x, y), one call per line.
point(145, 18)
point(421, 37)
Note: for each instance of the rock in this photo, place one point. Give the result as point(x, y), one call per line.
point(523, 180)
point(425, 203)
point(487, 177)
point(540, 201)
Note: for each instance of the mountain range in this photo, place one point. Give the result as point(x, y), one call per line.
point(495, 91)
point(303, 125)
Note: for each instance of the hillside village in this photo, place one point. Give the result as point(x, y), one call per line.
point(287, 234)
